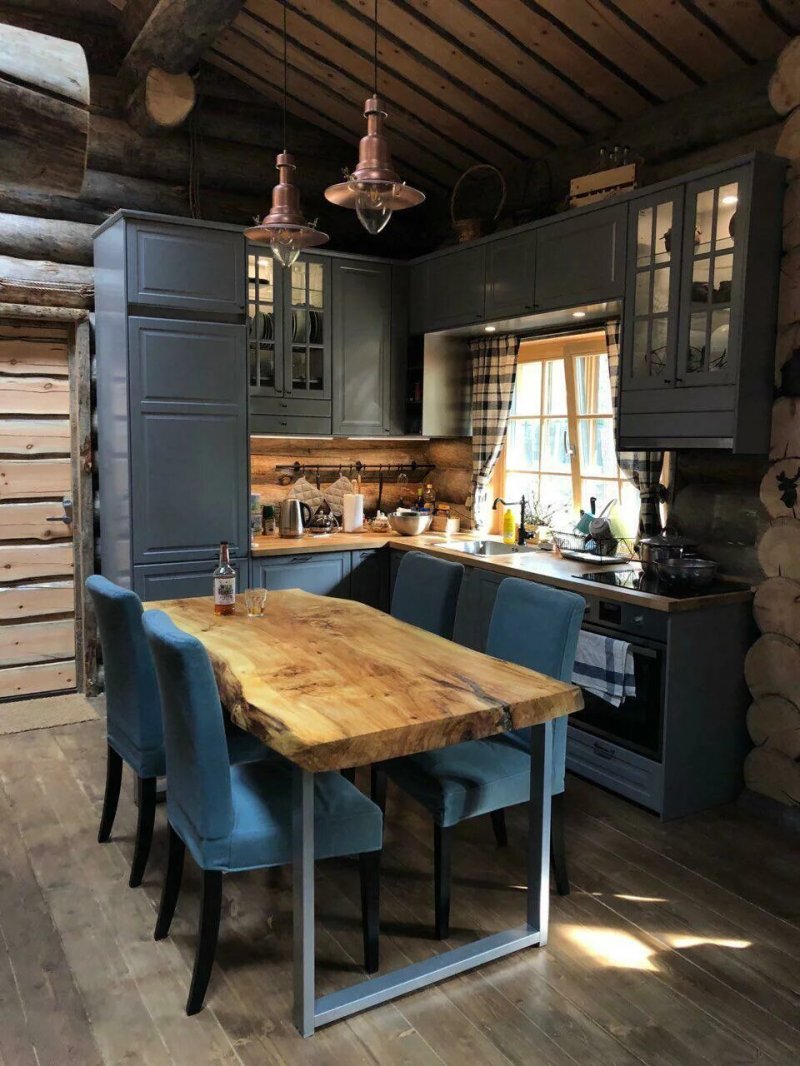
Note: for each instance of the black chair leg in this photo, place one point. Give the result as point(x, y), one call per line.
point(377, 786)
point(370, 870)
point(499, 827)
point(558, 851)
point(144, 829)
point(111, 797)
point(172, 885)
point(442, 856)
point(208, 932)
point(350, 774)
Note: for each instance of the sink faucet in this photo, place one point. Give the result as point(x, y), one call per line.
point(522, 535)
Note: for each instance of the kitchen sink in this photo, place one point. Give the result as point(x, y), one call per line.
point(487, 547)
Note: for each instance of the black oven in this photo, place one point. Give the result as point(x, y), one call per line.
point(637, 724)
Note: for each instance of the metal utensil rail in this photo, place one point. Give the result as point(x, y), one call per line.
point(367, 472)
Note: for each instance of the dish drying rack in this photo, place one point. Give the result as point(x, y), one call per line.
point(375, 473)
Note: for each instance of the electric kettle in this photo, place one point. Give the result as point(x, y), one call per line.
point(295, 516)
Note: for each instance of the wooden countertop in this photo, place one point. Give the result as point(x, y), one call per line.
point(333, 683)
point(533, 566)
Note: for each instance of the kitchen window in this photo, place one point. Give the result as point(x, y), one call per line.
point(560, 441)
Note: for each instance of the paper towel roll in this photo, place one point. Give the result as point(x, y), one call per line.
point(353, 511)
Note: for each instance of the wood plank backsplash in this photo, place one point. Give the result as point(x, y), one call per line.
point(451, 456)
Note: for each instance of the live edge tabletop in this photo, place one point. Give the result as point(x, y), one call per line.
point(332, 683)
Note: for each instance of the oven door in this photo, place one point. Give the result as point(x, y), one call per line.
point(637, 723)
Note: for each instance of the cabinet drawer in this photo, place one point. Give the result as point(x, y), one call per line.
point(182, 580)
point(300, 426)
point(191, 267)
point(283, 407)
point(615, 768)
point(325, 573)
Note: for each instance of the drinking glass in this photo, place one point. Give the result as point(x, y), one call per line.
point(254, 601)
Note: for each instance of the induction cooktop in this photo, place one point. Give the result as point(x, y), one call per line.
point(637, 581)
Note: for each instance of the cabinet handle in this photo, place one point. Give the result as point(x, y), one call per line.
point(604, 751)
point(678, 381)
point(299, 558)
point(667, 381)
point(283, 423)
point(282, 404)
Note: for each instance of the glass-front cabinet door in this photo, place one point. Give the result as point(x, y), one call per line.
point(649, 338)
point(708, 344)
point(307, 323)
point(264, 325)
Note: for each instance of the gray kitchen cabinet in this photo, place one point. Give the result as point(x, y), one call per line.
point(197, 268)
point(188, 438)
point(172, 418)
point(362, 347)
point(511, 275)
point(369, 577)
point(582, 259)
point(687, 384)
point(182, 580)
point(324, 573)
point(448, 289)
point(289, 343)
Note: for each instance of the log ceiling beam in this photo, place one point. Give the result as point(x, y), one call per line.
point(168, 46)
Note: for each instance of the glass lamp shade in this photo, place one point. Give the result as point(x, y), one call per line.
point(372, 208)
point(284, 229)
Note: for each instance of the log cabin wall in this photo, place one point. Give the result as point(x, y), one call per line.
point(451, 457)
point(773, 664)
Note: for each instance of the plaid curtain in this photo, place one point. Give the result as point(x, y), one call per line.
point(642, 468)
point(494, 370)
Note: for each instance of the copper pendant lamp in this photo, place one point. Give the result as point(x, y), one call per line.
point(284, 229)
point(374, 190)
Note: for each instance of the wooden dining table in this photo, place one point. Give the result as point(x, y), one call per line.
point(333, 684)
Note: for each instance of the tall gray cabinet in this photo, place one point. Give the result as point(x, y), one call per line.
point(172, 401)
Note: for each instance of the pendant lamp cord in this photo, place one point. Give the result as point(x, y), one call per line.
point(375, 20)
point(285, 67)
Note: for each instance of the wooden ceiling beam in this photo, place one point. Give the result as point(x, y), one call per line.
point(747, 24)
point(312, 100)
point(321, 54)
point(713, 25)
point(155, 72)
point(497, 104)
point(653, 41)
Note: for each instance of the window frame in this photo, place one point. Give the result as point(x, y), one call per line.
point(567, 348)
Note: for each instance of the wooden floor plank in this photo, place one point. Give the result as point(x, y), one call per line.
point(626, 980)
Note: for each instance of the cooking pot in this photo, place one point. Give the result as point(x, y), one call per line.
point(655, 550)
point(692, 573)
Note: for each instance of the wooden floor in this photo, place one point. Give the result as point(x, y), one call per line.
point(679, 944)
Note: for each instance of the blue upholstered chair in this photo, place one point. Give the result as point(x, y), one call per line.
point(426, 593)
point(234, 818)
point(133, 714)
point(534, 626)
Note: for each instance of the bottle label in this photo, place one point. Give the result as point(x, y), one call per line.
point(224, 591)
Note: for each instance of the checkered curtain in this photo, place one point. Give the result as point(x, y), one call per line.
point(642, 468)
point(494, 370)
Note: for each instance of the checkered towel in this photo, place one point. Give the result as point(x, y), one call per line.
point(604, 666)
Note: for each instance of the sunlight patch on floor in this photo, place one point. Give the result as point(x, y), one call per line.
point(687, 940)
point(610, 947)
point(640, 899)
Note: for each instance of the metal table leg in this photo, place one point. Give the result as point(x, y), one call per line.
point(310, 1013)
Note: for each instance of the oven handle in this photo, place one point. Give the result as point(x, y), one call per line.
point(646, 653)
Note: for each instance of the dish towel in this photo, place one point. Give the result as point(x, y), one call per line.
point(604, 666)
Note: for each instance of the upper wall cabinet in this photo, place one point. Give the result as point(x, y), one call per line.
point(448, 290)
point(581, 259)
point(194, 268)
point(698, 337)
point(511, 275)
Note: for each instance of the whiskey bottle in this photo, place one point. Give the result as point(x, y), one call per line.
point(224, 583)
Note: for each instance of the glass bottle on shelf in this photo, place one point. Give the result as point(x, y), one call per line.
point(261, 326)
point(705, 354)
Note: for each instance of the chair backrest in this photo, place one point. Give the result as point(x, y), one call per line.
point(133, 707)
point(426, 593)
point(198, 770)
point(537, 626)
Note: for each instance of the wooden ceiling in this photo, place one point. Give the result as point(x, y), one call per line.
point(504, 81)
